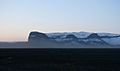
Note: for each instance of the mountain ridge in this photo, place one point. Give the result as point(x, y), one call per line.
point(74, 39)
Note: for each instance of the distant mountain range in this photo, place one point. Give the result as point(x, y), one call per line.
point(73, 40)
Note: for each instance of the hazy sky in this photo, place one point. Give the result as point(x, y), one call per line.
point(19, 17)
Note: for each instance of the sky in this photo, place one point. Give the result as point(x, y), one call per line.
point(19, 17)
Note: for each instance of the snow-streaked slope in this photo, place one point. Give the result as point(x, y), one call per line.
point(62, 36)
point(107, 34)
point(78, 34)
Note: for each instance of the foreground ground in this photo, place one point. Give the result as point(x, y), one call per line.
point(60, 59)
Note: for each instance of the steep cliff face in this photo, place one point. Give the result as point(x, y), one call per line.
point(36, 36)
point(37, 39)
point(42, 40)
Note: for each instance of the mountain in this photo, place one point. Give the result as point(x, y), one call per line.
point(73, 40)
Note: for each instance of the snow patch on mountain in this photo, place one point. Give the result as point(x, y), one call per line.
point(95, 40)
point(107, 34)
point(64, 34)
point(77, 34)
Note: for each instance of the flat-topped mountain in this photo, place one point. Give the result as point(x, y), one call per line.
point(72, 40)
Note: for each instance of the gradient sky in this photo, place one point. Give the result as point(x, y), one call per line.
point(19, 17)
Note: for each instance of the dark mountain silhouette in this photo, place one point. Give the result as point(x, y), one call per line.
point(37, 35)
point(37, 39)
point(94, 35)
